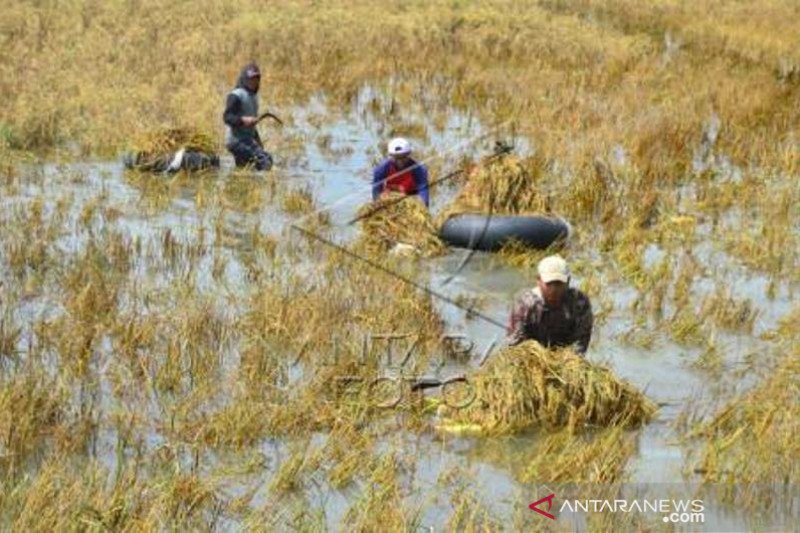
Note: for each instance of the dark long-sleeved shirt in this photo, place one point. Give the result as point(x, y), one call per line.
point(567, 325)
point(233, 114)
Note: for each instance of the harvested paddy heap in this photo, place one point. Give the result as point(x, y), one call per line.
point(395, 219)
point(154, 150)
point(527, 385)
point(506, 185)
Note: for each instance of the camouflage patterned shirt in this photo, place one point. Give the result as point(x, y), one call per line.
point(532, 318)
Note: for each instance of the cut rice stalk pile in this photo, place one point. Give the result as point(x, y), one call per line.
point(508, 185)
point(172, 139)
point(155, 149)
point(527, 385)
point(393, 220)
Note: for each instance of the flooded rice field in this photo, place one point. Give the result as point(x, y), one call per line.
point(171, 343)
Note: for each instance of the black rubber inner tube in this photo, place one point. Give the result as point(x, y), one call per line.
point(492, 232)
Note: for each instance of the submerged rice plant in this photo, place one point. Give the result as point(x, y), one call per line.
point(749, 443)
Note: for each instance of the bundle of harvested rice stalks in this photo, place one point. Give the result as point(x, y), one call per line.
point(506, 185)
point(527, 385)
point(394, 220)
point(172, 139)
point(154, 150)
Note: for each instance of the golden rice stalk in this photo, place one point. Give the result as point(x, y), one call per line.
point(172, 139)
point(391, 221)
point(505, 186)
point(753, 438)
point(527, 385)
point(594, 458)
point(156, 148)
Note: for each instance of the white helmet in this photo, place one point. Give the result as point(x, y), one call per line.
point(399, 146)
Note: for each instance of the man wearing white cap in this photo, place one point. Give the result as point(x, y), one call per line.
point(552, 313)
point(400, 173)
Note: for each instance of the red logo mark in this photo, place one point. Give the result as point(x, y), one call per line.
point(549, 500)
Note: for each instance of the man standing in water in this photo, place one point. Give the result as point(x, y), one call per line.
point(400, 173)
point(552, 313)
point(241, 117)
